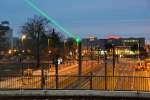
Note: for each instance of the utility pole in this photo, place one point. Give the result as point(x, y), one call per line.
point(79, 45)
point(79, 59)
point(48, 51)
point(22, 55)
point(64, 52)
point(91, 57)
point(114, 59)
point(87, 51)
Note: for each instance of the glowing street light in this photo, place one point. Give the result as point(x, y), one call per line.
point(10, 51)
point(23, 37)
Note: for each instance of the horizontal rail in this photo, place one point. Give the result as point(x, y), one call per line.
point(71, 82)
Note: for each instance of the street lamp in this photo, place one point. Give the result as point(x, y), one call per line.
point(138, 50)
point(78, 41)
point(64, 51)
point(79, 46)
point(9, 51)
point(22, 42)
point(49, 52)
point(23, 37)
point(91, 53)
point(114, 58)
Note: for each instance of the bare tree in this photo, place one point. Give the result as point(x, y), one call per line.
point(39, 31)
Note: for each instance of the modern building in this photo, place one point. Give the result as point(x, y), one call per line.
point(123, 45)
point(7, 34)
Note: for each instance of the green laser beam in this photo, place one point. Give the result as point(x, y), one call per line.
point(32, 5)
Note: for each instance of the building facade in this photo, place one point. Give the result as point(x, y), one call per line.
point(6, 39)
point(123, 45)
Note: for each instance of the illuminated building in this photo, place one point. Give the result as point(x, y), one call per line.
point(7, 35)
point(123, 45)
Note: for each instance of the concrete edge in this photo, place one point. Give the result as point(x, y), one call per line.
point(94, 93)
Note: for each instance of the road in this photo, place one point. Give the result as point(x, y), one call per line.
point(129, 80)
point(125, 77)
point(34, 81)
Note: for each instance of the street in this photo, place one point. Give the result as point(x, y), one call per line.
point(125, 77)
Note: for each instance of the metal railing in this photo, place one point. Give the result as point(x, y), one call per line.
point(112, 83)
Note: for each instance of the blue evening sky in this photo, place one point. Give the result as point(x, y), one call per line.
point(126, 18)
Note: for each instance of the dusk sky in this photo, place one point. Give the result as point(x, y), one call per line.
point(126, 18)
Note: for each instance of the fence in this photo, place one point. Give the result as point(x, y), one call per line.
point(112, 83)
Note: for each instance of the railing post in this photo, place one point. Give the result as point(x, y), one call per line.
point(91, 82)
point(56, 71)
point(42, 78)
point(56, 76)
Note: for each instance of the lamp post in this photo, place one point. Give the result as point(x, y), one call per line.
point(79, 46)
point(49, 52)
point(114, 59)
point(64, 51)
point(87, 51)
point(139, 50)
point(98, 55)
point(48, 44)
point(91, 54)
point(23, 37)
point(79, 56)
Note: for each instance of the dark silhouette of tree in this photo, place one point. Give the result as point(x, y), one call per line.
point(32, 28)
point(40, 26)
point(56, 43)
